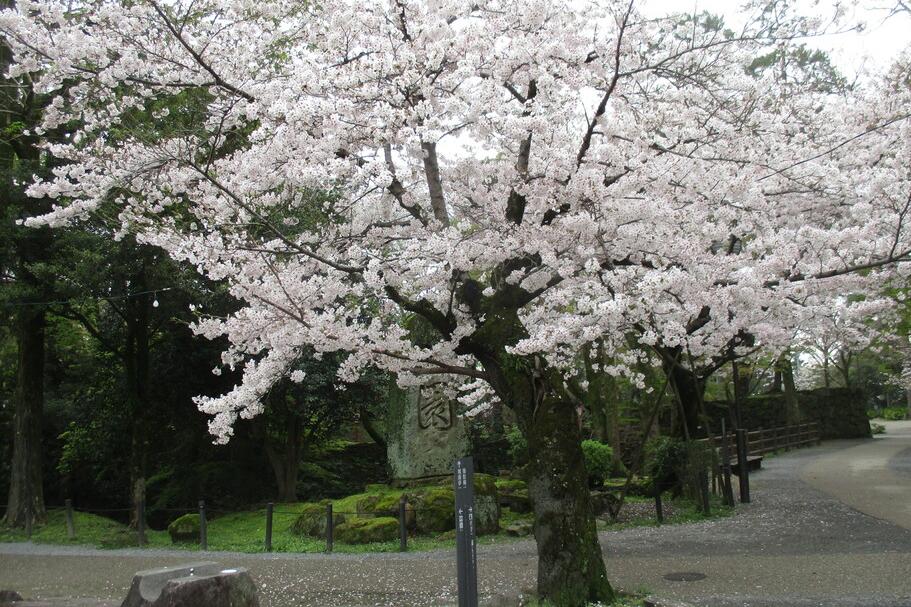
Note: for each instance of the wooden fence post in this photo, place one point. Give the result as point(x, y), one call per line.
point(727, 489)
point(330, 528)
point(269, 507)
point(203, 535)
point(70, 528)
point(141, 522)
point(403, 526)
point(743, 467)
point(659, 509)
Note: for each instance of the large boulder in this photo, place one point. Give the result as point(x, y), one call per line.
point(227, 588)
point(368, 530)
point(311, 522)
point(203, 583)
point(184, 529)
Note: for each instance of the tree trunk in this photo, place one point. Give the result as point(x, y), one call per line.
point(26, 493)
point(741, 392)
point(137, 381)
point(689, 390)
point(369, 424)
point(571, 570)
point(286, 462)
point(792, 405)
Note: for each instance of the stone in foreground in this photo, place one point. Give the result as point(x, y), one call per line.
point(191, 585)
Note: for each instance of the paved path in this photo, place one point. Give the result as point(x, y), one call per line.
point(799, 544)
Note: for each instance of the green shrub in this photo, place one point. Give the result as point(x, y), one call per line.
point(184, 529)
point(877, 429)
point(368, 530)
point(518, 447)
point(894, 413)
point(598, 461)
point(665, 458)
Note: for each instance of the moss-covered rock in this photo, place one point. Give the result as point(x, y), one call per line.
point(513, 494)
point(184, 529)
point(435, 509)
point(487, 504)
point(367, 530)
point(311, 522)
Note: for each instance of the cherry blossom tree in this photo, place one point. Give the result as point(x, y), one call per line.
point(525, 178)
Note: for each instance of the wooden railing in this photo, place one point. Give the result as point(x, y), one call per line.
point(767, 440)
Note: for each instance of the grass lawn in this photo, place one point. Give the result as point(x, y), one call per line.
point(244, 531)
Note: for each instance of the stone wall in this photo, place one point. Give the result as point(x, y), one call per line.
point(840, 412)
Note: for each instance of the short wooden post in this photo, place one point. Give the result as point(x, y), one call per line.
point(403, 526)
point(70, 528)
point(743, 467)
point(141, 522)
point(728, 490)
point(330, 527)
point(659, 508)
point(203, 535)
point(704, 490)
point(28, 522)
point(269, 508)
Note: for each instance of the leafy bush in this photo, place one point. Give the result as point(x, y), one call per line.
point(894, 413)
point(664, 458)
point(598, 461)
point(877, 429)
point(518, 447)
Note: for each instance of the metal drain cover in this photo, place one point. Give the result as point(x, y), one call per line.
point(685, 576)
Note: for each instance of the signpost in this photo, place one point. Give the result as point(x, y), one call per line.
point(466, 546)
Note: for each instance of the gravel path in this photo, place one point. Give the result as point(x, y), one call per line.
point(794, 546)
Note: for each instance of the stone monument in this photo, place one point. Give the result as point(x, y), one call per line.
point(424, 434)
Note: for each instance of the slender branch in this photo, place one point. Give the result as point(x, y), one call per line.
point(197, 57)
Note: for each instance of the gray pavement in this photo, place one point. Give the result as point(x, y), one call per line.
point(804, 541)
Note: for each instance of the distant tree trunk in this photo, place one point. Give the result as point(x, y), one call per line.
point(792, 405)
point(689, 390)
point(603, 400)
point(26, 493)
point(136, 364)
point(369, 424)
point(741, 392)
point(844, 366)
point(286, 461)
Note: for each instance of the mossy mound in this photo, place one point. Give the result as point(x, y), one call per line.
point(513, 494)
point(435, 510)
point(184, 529)
point(311, 522)
point(368, 530)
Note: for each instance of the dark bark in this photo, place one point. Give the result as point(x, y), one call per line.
point(689, 390)
point(571, 569)
point(286, 461)
point(369, 424)
point(136, 367)
point(741, 380)
point(792, 405)
point(26, 493)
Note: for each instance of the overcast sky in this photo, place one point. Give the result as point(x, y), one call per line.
point(882, 39)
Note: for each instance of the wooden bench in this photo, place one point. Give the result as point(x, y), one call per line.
point(754, 462)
